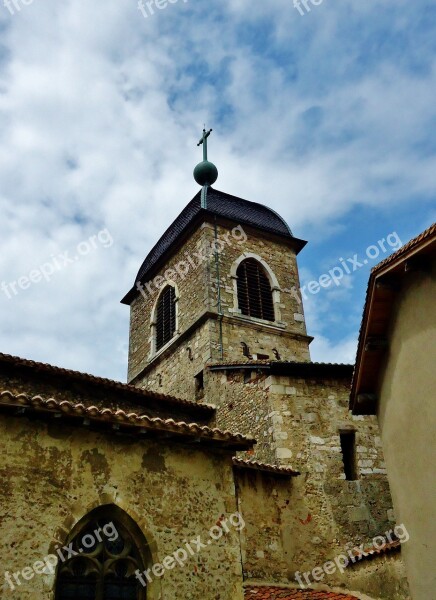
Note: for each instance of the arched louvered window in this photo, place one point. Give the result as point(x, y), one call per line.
point(165, 317)
point(254, 290)
point(100, 564)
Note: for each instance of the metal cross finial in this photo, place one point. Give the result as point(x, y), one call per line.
point(203, 141)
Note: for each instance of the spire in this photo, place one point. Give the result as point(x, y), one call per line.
point(205, 173)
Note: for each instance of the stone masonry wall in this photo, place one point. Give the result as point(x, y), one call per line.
point(308, 418)
point(192, 289)
point(280, 540)
point(297, 423)
point(53, 474)
point(174, 372)
point(243, 406)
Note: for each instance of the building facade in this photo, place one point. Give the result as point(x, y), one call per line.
point(395, 380)
point(229, 465)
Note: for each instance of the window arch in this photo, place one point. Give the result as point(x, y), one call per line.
point(165, 317)
point(255, 297)
point(105, 551)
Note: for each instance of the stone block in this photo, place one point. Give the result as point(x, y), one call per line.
point(358, 513)
point(283, 453)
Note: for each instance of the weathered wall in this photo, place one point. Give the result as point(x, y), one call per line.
point(308, 416)
point(52, 475)
point(297, 423)
point(242, 403)
point(407, 413)
point(174, 371)
point(279, 541)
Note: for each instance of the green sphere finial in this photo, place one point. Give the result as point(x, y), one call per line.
point(205, 173)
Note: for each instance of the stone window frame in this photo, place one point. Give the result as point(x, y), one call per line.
point(275, 290)
point(144, 544)
point(153, 320)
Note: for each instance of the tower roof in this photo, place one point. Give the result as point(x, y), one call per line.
point(219, 204)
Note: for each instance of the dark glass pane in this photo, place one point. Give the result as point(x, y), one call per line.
point(121, 589)
point(115, 546)
point(76, 587)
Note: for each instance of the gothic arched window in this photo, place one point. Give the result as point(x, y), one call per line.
point(165, 317)
point(101, 563)
point(254, 291)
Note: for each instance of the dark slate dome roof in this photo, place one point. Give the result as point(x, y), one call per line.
point(220, 204)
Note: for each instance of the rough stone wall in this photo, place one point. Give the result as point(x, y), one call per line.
point(261, 340)
point(280, 541)
point(175, 371)
point(192, 287)
point(242, 404)
point(308, 417)
point(297, 423)
point(52, 475)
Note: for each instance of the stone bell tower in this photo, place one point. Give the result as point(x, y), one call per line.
point(220, 285)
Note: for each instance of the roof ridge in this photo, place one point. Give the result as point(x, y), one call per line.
point(261, 466)
point(119, 416)
point(427, 233)
point(112, 383)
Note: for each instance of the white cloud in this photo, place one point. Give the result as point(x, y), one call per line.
point(100, 111)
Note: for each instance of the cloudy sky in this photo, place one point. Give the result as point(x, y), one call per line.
point(326, 116)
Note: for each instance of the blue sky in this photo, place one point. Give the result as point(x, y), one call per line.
point(327, 117)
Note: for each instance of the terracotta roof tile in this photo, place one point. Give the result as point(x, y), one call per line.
point(259, 466)
point(427, 234)
point(416, 244)
point(130, 420)
point(105, 383)
point(292, 368)
point(279, 593)
point(373, 552)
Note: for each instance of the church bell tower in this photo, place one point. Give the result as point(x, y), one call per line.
point(221, 285)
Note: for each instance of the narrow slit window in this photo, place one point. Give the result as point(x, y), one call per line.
point(199, 385)
point(254, 291)
point(166, 317)
point(348, 447)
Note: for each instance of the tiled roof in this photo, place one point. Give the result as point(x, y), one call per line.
point(132, 422)
point(284, 367)
point(278, 593)
point(407, 248)
point(219, 204)
point(259, 466)
point(423, 244)
point(373, 552)
point(135, 392)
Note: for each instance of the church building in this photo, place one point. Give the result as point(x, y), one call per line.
point(228, 467)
